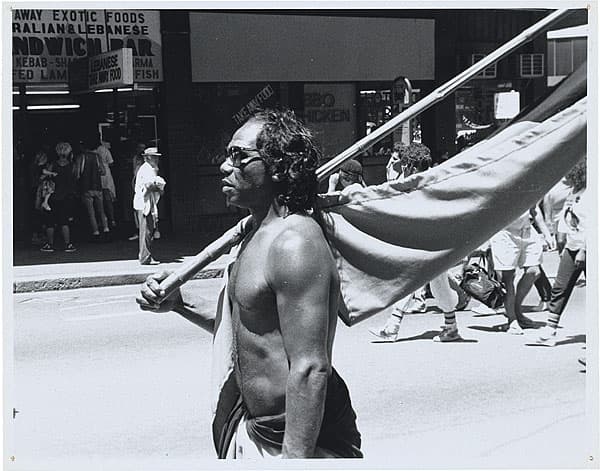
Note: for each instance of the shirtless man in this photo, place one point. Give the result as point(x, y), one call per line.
point(283, 291)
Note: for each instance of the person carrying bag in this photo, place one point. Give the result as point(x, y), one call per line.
point(479, 280)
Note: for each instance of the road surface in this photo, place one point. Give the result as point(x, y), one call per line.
point(100, 384)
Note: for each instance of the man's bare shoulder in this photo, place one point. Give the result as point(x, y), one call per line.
point(297, 230)
point(297, 240)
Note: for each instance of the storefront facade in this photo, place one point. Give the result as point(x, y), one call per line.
point(46, 108)
point(336, 69)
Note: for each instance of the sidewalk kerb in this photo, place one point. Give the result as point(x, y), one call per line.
point(94, 281)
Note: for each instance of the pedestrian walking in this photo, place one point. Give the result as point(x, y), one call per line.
point(89, 171)
point(149, 187)
point(519, 246)
point(109, 192)
point(404, 162)
point(278, 310)
point(573, 221)
point(447, 299)
point(137, 161)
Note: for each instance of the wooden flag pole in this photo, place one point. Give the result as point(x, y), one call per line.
point(232, 237)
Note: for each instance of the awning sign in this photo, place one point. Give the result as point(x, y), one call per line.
point(46, 41)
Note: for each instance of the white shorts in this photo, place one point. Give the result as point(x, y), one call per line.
point(512, 250)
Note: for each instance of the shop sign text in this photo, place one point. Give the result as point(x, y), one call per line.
point(110, 69)
point(319, 108)
point(46, 41)
point(262, 96)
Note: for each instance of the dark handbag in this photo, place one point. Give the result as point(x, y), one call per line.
point(482, 284)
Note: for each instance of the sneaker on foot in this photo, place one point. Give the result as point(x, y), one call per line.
point(70, 248)
point(420, 308)
point(448, 334)
point(134, 237)
point(47, 248)
point(389, 331)
point(151, 262)
point(514, 328)
point(546, 337)
point(483, 309)
point(417, 306)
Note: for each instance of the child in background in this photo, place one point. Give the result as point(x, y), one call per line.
point(46, 185)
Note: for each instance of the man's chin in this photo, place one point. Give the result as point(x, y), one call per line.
point(230, 200)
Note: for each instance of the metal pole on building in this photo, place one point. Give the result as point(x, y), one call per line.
point(233, 235)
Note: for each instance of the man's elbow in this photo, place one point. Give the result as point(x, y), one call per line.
point(310, 370)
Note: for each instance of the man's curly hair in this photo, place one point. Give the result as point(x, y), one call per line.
point(291, 158)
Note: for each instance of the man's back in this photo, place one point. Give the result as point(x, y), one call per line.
point(284, 258)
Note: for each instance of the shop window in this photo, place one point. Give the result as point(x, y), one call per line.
point(377, 107)
point(531, 65)
point(488, 72)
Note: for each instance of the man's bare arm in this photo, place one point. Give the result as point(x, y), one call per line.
point(299, 272)
point(152, 299)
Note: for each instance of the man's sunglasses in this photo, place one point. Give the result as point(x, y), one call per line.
point(239, 157)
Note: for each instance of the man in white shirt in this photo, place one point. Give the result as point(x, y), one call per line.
point(148, 189)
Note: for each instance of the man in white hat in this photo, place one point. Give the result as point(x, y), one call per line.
point(148, 189)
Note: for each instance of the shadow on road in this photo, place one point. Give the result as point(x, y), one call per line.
point(424, 336)
point(489, 328)
point(580, 338)
point(428, 335)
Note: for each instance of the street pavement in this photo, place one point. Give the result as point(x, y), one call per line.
point(99, 384)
